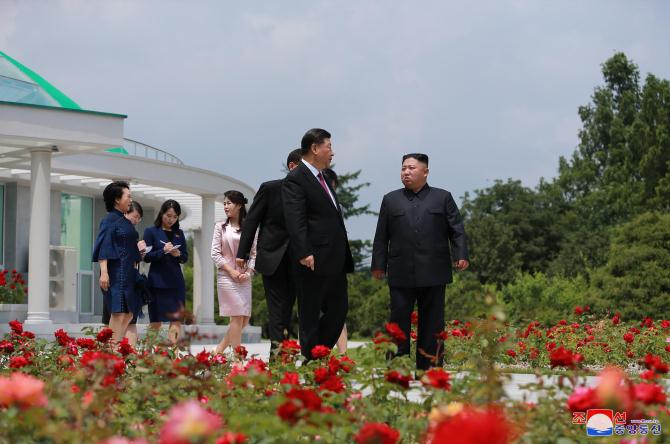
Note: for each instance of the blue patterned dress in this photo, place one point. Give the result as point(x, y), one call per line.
point(117, 243)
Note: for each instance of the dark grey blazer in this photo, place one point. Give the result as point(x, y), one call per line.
point(418, 237)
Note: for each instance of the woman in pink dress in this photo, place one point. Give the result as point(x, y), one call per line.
point(234, 283)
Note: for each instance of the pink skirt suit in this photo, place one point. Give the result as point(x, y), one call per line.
point(234, 297)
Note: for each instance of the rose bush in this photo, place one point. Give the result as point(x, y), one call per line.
point(92, 390)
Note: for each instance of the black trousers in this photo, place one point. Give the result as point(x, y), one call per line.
point(430, 301)
point(280, 294)
point(322, 309)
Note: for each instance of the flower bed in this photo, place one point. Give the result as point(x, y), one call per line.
point(88, 390)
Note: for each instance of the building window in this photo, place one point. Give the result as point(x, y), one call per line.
point(76, 230)
point(76, 227)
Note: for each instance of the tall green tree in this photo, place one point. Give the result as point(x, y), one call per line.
point(635, 279)
point(621, 166)
point(511, 228)
point(348, 191)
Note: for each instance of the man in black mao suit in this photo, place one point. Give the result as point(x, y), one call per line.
point(318, 242)
point(419, 234)
point(272, 257)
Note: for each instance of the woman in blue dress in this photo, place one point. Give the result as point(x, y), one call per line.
point(166, 280)
point(117, 252)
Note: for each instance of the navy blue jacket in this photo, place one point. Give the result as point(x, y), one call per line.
point(165, 271)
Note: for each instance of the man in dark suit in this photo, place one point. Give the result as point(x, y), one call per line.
point(272, 257)
point(419, 233)
point(318, 242)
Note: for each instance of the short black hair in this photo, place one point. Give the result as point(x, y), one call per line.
point(170, 203)
point(331, 177)
point(294, 156)
point(423, 158)
point(112, 192)
point(313, 136)
point(135, 206)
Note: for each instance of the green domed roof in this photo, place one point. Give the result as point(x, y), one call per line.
point(20, 84)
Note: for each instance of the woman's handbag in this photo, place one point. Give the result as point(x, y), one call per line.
point(142, 288)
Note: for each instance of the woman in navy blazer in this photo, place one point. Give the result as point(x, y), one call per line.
point(166, 280)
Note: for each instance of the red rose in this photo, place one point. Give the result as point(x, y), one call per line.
point(616, 318)
point(629, 338)
point(290, 378)
point(649, 375)
point(511, 353)
point(320, 351)
point(104, 335)
point(582, 399)
point(16, 326)
point(288, 411)
point(395, 331)
point(18, 362)
point(474, 426)
point(203, 358)
point(6, 347)
point(396, 377)
point(62, 337)
point(288, 349)
point(380, 338)
point(88, 343)
point(579, 311)
point(309, 398)
point(241, 351)
point(321, 374)
point(562, 357)
point(232, 438)
point(414, 318)
point(377, 433)
point(647, 322)
point(333, 384)
point(436, 378)
point(125, 348)
point(649, 393)
point(655, 363)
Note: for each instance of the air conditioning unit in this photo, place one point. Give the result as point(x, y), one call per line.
point(63, 266)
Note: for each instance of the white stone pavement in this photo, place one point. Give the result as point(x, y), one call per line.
point(513, 388)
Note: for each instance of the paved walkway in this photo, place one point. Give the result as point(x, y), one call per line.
point(513, 387)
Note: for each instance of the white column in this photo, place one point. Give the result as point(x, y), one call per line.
point(205, 312)
point(38, 250)
point(197, 274)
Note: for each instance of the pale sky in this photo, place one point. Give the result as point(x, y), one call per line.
point(488, 89)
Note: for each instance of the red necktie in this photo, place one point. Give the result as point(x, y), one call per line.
point(323, 183)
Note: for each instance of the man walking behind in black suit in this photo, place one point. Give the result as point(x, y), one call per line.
point(419, 233)
point(272, 255)
point(318, 242)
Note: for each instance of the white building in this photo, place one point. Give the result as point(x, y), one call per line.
point(55, 160)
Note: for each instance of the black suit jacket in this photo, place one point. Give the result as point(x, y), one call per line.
point(315, 226)
point(418, 237)
point(267, 212)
